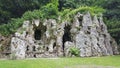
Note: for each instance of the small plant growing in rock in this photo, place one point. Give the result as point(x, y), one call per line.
point(74, 51)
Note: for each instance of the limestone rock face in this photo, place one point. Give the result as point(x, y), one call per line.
point(51, 39)
point(68, 45)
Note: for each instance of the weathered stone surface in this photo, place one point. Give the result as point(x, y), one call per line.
point(51, 39)
point(93, 38)
point(68, 45)
point(18, 48)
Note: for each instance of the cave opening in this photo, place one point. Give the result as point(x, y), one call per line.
point(66, 36)
point(37, 34)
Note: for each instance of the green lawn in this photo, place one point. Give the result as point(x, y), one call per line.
point(61, 62)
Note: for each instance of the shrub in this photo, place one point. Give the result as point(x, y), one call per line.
point(74, 51)
point(30, 15)
point(7, 29)
point(67, 14)
point(49, 11)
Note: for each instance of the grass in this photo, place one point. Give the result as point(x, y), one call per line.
point(61, 62)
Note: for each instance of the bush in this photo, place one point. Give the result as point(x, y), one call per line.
point(31, 15)
point(74, 51)
point(7, 29)
point(67, 14)
point(49, 11)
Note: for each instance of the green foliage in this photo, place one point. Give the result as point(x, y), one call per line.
point(74, 51)
point(16, 8)
point(67, 14)
point(30, 15)
point(7, 29)
point(114, 28)
point(113, 8)
point(48, 11)
point(63, 4)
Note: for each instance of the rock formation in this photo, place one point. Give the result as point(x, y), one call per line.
point(51, 39)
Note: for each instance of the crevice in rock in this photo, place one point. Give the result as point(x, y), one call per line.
point(54, 45)
point(89, 28)
point(27, 48)
point(47, 48)
point(88, 32)
point(97, 39)
point(80, 20)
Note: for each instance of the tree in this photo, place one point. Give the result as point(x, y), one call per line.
point(15, 8)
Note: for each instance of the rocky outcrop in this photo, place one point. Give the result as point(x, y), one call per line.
point(5, 46)
point(51, 39)
point(93, 38)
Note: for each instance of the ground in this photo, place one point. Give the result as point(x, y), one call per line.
point(76, 62)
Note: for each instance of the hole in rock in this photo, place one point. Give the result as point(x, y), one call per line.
point(98, 44)
point(47, 49)
point(67, 35)
point(34, 56)
point(85, 42)
point(34, 48)
point(37, 34)
point(54, 45)
point(80, 20)
point(111, 42)
point(89, 28)
point(26, 34)
point(27, 48)
point(88, 32)
point(104, 35)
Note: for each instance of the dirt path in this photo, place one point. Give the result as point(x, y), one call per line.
point(91, 66)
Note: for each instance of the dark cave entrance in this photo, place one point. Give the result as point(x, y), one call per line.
point(67, 35)
point(37, 34)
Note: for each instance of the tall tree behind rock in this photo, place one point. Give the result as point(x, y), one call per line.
point(15, 8)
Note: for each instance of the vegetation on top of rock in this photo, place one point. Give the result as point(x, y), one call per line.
point(68, 14)
point(7, 29)
point(50, 11)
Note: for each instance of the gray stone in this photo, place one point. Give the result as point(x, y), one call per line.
point(68, 46)
point(48, 38)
